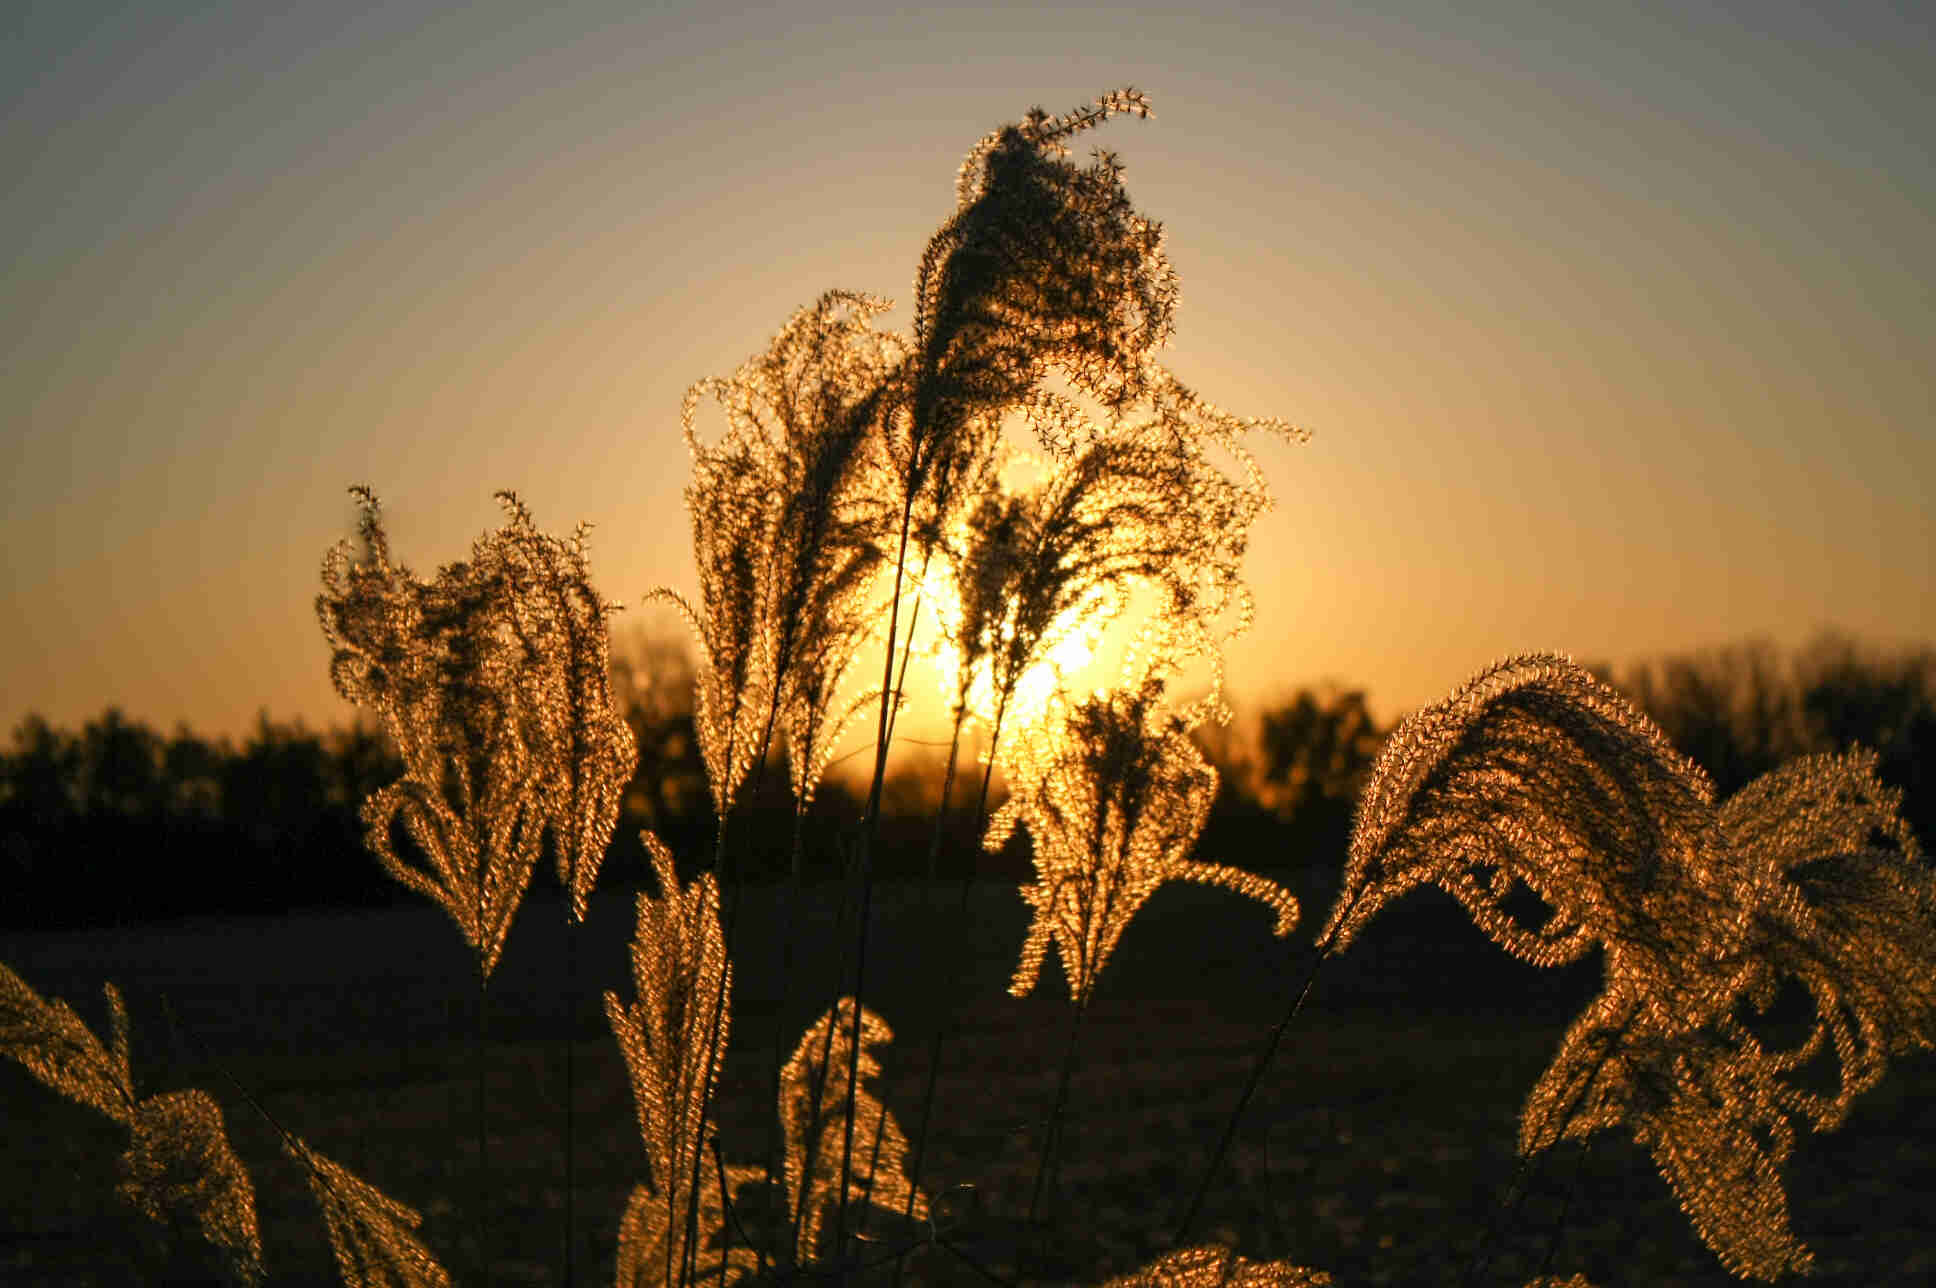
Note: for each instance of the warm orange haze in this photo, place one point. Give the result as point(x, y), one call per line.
point(1611, 330)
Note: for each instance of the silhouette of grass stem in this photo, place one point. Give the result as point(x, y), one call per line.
point(1251, 1083)
point(1052, 1133)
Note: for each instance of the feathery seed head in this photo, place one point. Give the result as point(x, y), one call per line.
point(371, 1235)
point(1214, 1266)
point(1536, 775)
point(1843, 906)
point(788, 510)
point(52, 1044)
point(493, 681)
point(1113, 794)
point(1043, 265)
point(813, 1115)
point(673, 1037)
point(179, 1169)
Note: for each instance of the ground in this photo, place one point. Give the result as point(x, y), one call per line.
point(1376, 1148)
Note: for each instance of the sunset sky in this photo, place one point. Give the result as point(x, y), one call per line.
point(1613, 331)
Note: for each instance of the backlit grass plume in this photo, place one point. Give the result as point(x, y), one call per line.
point(673, 1038)
point(789, 510)
point(1032, 571)
point(1839, 908)
point(492, 679)
point(1044, 266)
point(813, 1105)
point(52, 1044)
point(1215, 1266)
point(181, 1173)
point(178, 1170)
point(371, 1235)
point(580, 742)
point(1113, 795)
point(1845, 908)
point(1535, 776)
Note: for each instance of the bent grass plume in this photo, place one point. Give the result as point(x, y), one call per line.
point(1536, 775)
point(179, 1170)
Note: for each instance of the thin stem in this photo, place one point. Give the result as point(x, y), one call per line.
point(571, 1102)
point(1566, 1205)
point(818, 1088)
point(946, 1025)
point(869, 833)
point(873, 1170)
point(973, 1263)
point(1053, 1135)
point(729, 917)
point(907, 654)
point(795, 892)
point(1481, 1257)
point(483, 1139)
point(1503, 1212)
point(947, 791)
point(1243, 1101)
point(725, 1211)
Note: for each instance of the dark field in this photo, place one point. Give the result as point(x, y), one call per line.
point(1375, 1149)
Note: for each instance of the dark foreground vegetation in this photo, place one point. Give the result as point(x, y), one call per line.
point(1376, 1148)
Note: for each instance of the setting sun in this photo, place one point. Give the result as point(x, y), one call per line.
point(1067, 647)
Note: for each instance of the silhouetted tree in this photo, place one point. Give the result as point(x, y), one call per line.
point(119, 768)
point(1315, 751)
point(1849, 693)
point(1741, 710)
point(41, 777)
point(1733, 709)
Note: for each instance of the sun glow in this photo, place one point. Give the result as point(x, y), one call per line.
point(1066, 648)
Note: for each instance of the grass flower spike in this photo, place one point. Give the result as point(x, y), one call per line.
point(673, 1038)
point(492, 680)
point(50, 1041)
point(179, 1171)
point(813, 1107)
point(1536, 777)
point(789, 512)
point(371, 1234)
point(1113, 794)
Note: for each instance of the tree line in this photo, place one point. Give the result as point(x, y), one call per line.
point(118, 822)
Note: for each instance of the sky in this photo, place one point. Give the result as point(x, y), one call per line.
point(1612, 327)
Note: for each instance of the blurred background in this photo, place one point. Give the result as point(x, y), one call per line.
point(116, 821)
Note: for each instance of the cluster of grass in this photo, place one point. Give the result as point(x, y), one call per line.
point(1761, 960)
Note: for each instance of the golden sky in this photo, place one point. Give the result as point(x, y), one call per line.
point(1613, 330)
